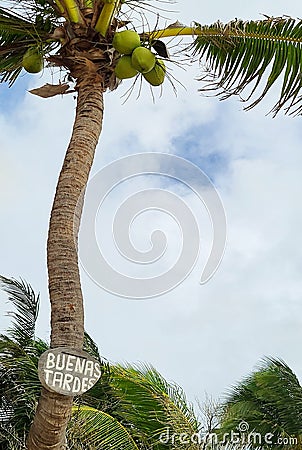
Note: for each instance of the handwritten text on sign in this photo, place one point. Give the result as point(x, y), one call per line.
point(68, 371)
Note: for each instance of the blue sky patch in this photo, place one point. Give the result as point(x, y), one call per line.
point(11, 97)
point(202, 146)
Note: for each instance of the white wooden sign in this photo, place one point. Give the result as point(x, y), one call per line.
point(68, 371)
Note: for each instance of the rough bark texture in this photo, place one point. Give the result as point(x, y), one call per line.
point(67, 316)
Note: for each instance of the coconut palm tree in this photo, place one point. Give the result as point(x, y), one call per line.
point(77, 36)
point(136, 404)
point(269, 401)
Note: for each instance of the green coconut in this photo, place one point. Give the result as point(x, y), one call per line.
point(32, 61)
point(126, 41)
point(156, 76)
point(143, 59)
point(124, 68)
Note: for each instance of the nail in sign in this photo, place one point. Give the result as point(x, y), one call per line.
point(68, 371)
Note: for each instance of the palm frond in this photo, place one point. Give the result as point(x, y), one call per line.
point(100, 396)
point(91, 428)
point(19, 381)
point(9, 438)
point(26, 304)
point(150, 405)
point(269, 400)
point(30, 9)
point(243, 54)
point(91, 347)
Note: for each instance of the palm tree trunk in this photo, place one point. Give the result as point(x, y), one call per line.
point(67, 315)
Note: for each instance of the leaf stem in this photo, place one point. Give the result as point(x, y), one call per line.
point(106, 16)
point(73, 10)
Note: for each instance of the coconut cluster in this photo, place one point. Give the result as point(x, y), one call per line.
point(136, 58)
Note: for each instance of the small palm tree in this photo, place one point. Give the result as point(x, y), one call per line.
point(129, 408)
point(19, 354)
point(269, 401)
point(77, 37)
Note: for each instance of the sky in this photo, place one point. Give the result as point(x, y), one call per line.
point(203, 337)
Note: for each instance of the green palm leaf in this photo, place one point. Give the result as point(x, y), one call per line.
point(243, 54)
point(19, 382)
point(19, 354)
point(150, 405)
point(91, 347)
point(91, 428)
point(269, 400)
point(26, 304)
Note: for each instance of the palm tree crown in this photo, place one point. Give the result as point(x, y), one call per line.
point(135, 403)
point(269, 401)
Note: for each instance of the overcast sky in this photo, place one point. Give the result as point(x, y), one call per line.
point(204, 337)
